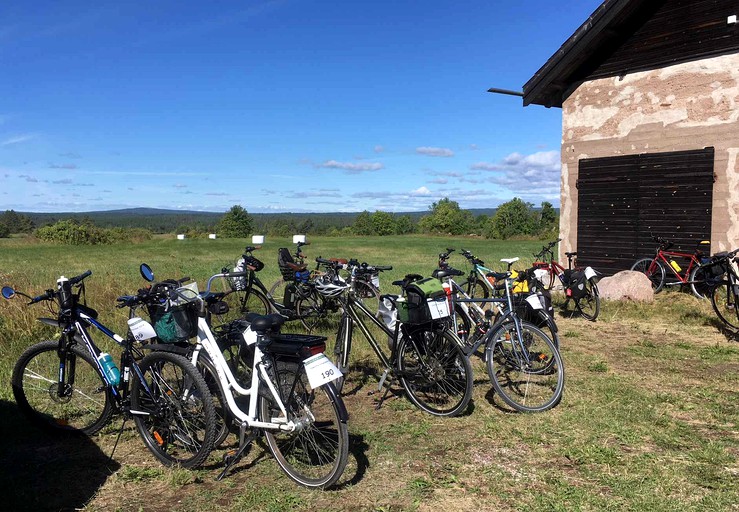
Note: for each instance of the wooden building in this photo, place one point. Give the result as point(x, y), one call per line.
point(649, 92)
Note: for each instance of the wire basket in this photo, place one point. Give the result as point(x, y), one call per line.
point(174, 323)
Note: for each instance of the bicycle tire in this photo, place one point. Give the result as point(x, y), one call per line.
point(725, 303)
point(88, 406)
point(527, 376)
point(279, 284)
point(477, 289)
point(589, 305)
point(654, 270)
point(435, 373)
point(701, 284)
point(316, 312)
point(223, 416)
point(368, 295)
point(180, 425)
point(316, 453)
point(342, 349)
point(242, 302)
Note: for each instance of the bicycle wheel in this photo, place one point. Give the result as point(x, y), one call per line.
point(724, 301)
point(702, 282)
point(179, 426)
point(223, 415)
point(275, 288)
point(86, 405)
point(654, 270)
point(368, 295)
point(315, 453)
point(316, 312)
point(527, 373)
point(477, 289)
point(241, 302)
point(589, 305)
point(435, 373)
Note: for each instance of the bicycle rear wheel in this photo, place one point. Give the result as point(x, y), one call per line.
point(725, 301)
point(701, 282)
point(527, 373)
point(179, 424)
point(654, 270)
point(315, 453)
point(242, 302)
point(317, 313)
point(86, 402)
point(589, 305)
point(435, 373)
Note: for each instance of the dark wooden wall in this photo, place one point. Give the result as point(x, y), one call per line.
point(623, 200)
point(675, 31)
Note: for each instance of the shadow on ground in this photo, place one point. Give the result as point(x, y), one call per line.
point(40, 471)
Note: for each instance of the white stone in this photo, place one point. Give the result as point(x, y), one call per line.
point(626, 285)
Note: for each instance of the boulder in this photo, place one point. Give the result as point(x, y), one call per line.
point(626, 285)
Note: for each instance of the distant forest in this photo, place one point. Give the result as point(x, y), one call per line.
point(170, 221)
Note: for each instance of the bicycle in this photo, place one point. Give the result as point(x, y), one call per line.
point(284, 394)
point(481, 283)
point(424, 356)
point(68, 385)
point(723, 281)
point(655, 268)
point(580, 284)
point(523, 363)
point(249, 295)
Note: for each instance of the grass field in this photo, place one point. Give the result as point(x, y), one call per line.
point(648, 420)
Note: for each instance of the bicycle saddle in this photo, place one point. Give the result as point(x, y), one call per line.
point(263, 323)
point(509, 261)
point(568, 254)
point(441, 274)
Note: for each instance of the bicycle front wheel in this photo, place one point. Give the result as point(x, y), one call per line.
point(725, 301)
point(173, 410)
point(435, 373)
point(701, 283)
point(654, 270)
point(317, 313)
point(315, 453)
point(527, 372)
point(242, 302)
point(589, 304)
point(85, 402)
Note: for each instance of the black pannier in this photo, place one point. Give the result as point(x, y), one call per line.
point(576, 284)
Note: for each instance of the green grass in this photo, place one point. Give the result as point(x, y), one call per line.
point(648, 420)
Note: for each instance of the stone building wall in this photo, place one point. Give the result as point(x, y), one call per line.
point(683, 107)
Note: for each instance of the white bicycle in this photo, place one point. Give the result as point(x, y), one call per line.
point(273, 384)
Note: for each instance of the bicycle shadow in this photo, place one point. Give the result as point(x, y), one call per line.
point(42, 471)
point(729, 333)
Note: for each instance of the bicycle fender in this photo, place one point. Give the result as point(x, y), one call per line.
point(50, 321)
point(336, 399)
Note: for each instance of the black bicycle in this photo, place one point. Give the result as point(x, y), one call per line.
point(68, 385)
point(424, 356)
point(723, 282)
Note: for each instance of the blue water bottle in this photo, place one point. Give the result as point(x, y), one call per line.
point(112, 373)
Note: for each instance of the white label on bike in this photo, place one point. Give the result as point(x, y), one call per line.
point(320, 370)
point(250, 337)
point(438, 308)
point(376, 281)
point(141, 329)
point(590, 273)
point(540, 274)
point(534, 302)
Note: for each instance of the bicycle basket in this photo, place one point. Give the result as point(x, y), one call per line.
point(238, 283)
point(174, 323)
point(284, 259)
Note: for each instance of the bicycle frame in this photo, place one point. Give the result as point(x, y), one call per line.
point(664, 257)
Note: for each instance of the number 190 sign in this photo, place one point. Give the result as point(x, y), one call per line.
point(320, 370)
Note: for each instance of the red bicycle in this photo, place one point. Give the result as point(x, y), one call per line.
point(655, 268)
point(579, 284)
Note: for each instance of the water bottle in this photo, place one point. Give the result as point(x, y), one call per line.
point(112, 373)
point(675, 265)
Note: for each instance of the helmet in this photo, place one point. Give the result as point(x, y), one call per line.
point(330, 286)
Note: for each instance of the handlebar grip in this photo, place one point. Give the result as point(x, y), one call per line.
point(48, 295)
point(77, 279)
point(383, 267)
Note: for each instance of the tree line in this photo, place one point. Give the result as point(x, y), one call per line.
point(515, 218)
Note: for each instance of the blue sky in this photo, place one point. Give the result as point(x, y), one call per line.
point(276, 105)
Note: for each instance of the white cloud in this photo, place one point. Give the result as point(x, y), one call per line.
point(17, 140)
point(421, 191)
point(351, 168)
point(429, 151)
point(526, 175)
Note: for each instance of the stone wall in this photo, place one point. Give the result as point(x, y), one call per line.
point(683, 107)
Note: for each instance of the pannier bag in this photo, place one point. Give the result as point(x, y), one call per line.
point(576, 284)
point(425, 300)
point(526, 312)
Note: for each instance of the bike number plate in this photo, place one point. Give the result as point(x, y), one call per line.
point(590, 273)
point(250, 337)
point(376, 281)
point(141, 329)
point(534, 302)
point(320, 370)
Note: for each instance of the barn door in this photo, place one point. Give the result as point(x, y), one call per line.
point(625, 199)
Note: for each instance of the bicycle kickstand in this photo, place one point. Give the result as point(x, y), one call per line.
point(232, 457)
point(383, 380)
